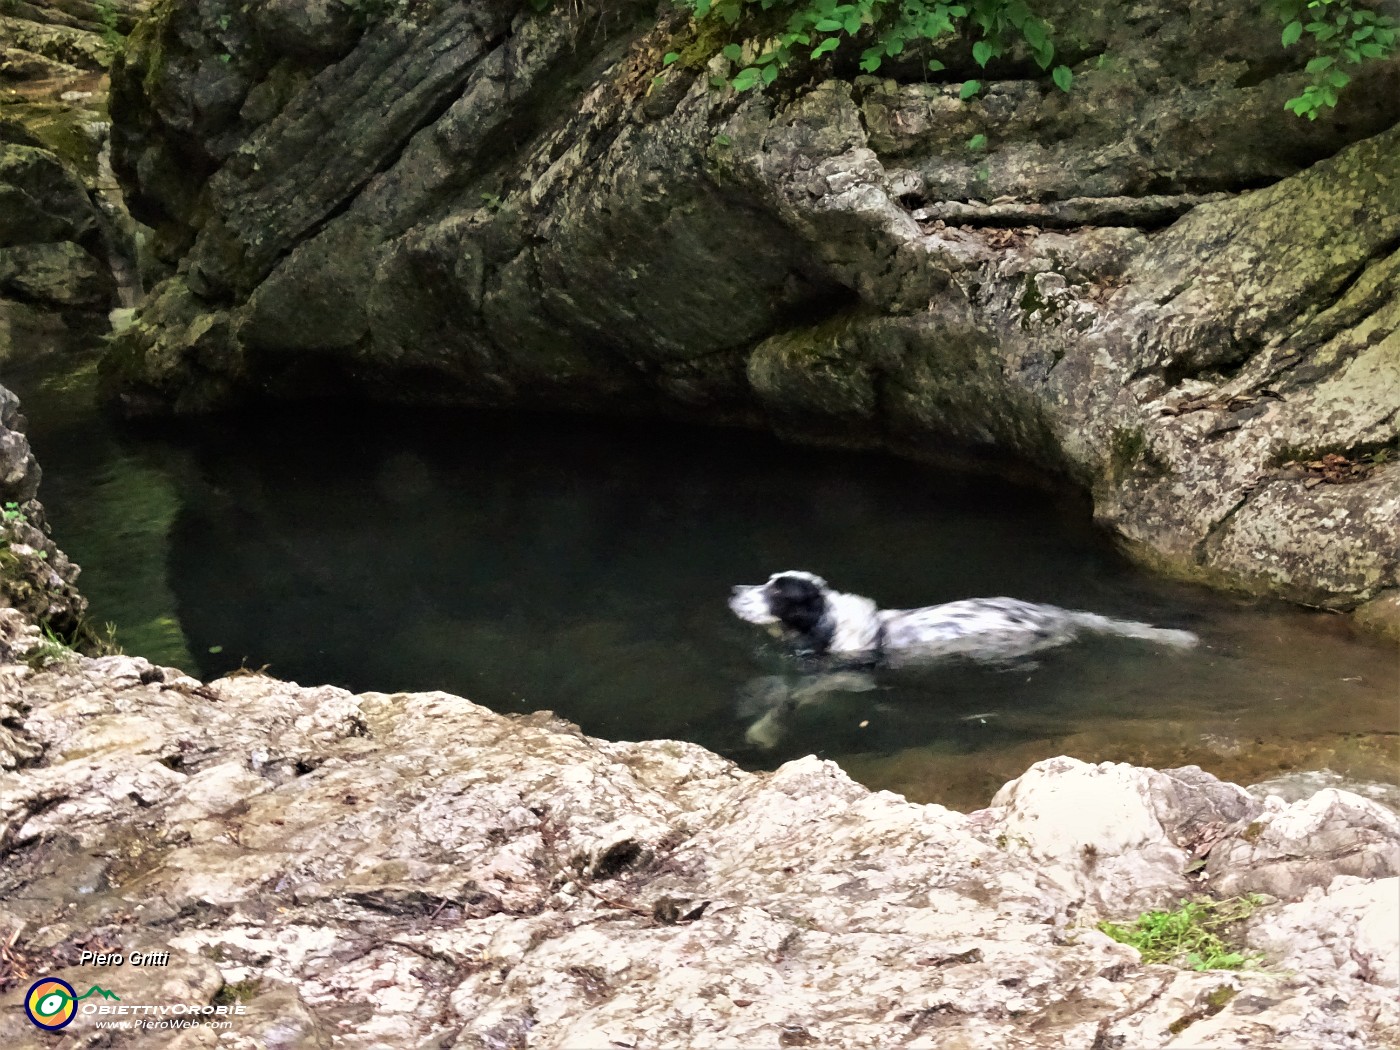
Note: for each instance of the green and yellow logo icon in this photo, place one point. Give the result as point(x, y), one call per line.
point(52, 1003)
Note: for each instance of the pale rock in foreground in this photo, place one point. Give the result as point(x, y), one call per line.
point(412, 870)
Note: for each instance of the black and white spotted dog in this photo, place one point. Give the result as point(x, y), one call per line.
point(851, 629)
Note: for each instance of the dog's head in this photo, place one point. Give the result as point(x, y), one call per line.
point(795, 600)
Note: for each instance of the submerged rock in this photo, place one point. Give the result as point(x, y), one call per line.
point(412, 869)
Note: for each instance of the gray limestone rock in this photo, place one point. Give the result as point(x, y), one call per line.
point(474, 204)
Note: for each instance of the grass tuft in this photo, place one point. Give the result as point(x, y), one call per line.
point(1189, 936)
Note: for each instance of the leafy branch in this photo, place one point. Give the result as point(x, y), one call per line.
point(1344, 35)
point(881, 28)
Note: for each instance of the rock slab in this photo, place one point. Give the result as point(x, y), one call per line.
point(414, 870)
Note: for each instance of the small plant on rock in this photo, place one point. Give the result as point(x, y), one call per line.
point(52, 649)
point(1344, 36)
point(780, 33)
point(1189, 936)
point(880, 28)
point(112, 40)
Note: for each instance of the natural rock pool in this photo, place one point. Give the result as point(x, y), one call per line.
point(583, 566)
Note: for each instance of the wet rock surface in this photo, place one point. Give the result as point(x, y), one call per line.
point(412, 869)
point(37, 580)
point(1185, 318)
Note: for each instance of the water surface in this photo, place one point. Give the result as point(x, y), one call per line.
point(582, 566)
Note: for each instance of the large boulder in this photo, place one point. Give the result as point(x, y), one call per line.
point(49, 231)
point(1120, 837)
point(1348, 928)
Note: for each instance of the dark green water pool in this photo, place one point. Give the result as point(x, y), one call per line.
point(583, 566)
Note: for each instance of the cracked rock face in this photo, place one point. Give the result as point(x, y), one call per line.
point(1161, 285)
point(414, 870)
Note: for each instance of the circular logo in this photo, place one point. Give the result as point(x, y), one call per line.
point(51, 1004)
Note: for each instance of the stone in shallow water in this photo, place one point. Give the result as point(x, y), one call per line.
point(1295, 787)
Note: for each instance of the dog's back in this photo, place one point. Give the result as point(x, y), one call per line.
point(1003, 628)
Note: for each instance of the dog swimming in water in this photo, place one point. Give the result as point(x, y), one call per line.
point(850, 629)
point(843, 636)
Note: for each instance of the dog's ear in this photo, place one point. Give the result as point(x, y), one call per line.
point(797, 601)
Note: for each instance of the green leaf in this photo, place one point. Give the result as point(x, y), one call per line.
point(1062, 77)
point(216, 649)
point(870, 62)
point(936, 65)
point(1292, 33)
point(978, 141)
point(733, 52)
point(969, 88)
point(982, 52)
point(828, 45)
point(1321, 62)
point(1338, 79)
point(852, 24)
point(745, 79)
point(724, 140)
point(770, 74)
point(828, 25)
point(669, 57)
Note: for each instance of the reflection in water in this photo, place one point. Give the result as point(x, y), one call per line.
point(583, 567)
